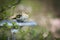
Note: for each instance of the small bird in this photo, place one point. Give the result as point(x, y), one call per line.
point(23, 13)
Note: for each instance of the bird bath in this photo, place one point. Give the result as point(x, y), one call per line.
point(20, 24)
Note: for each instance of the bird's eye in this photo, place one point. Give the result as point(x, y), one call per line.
point(18, 16)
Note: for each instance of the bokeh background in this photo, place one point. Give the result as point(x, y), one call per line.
point(41, 12)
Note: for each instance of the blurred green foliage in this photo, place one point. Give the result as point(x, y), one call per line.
point(6, 7)
point(5, 4)
point(32, 33)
